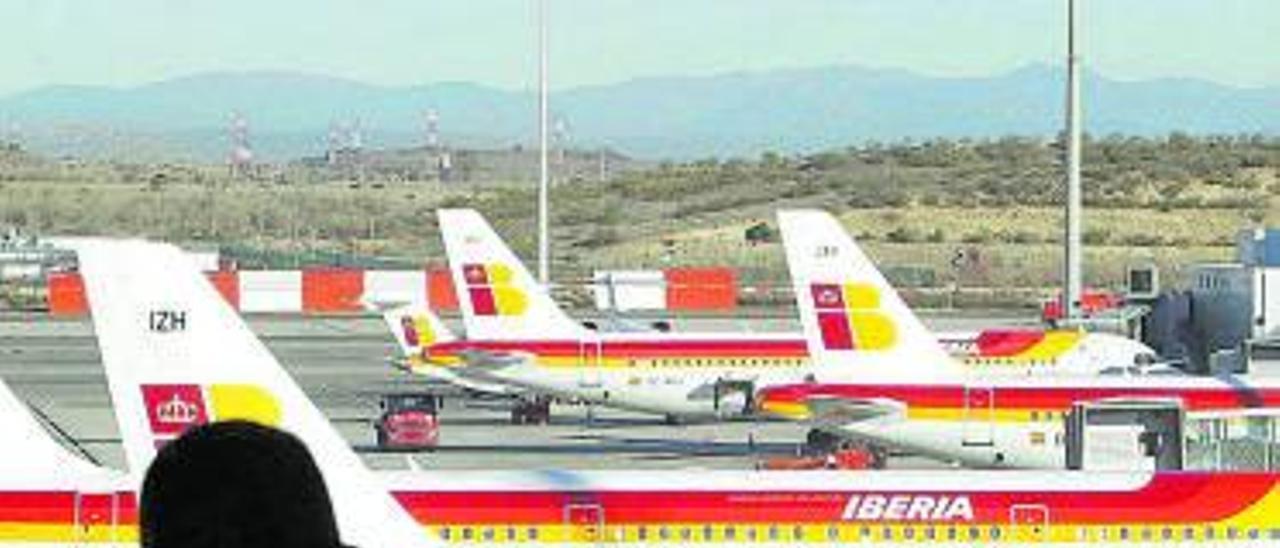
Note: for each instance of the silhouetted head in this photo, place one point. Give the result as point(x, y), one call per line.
point(236, 484)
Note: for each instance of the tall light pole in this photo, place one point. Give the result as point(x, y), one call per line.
point(1072, 281)
point(544, 244)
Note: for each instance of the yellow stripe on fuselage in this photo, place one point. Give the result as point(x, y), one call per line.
point(800, 411)
point(66, 533)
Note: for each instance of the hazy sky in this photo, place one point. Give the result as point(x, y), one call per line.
point(129, 42)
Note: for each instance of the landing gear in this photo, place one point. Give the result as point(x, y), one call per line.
point(671, 420)
point(536, 410)
point(820, 441)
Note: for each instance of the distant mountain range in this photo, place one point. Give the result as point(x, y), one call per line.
point(679, 117)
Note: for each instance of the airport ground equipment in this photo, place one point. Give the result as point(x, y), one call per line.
point(408, 421)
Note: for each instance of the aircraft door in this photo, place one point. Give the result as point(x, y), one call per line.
point(1029, 522)
point(96, 516)
point(733, 398)
point(979, 416)
point(1125, 436)
point(591, 364)
point(584, 523)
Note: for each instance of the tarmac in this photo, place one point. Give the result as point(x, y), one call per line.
point(55, 367)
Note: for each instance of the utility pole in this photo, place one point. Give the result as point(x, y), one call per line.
point(544, 244)
point(1072, 292)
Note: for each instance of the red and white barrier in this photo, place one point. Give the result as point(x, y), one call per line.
point(341, 290)
point(271, 291)
point(395, 286)
point(629, 289)
point(687, 289)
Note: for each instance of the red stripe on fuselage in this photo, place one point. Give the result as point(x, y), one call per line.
point(636, 349)
point(59, 506)
point(1169, 498)
point(1055, 398)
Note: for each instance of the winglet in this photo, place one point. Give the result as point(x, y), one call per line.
point(499, 299)
point(853, 319)
point(176, 355)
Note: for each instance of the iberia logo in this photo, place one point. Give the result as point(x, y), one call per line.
point(850, 318)
point(173, 408)
point(491, 291)
point(417, 331)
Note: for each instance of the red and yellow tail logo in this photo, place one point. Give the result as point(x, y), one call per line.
point(489, 287)
point(850, 318)
point(417, 331)
point(173, 408)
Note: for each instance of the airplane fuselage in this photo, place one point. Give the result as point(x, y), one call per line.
point(687, 377)
point(732, 508)
point(697, 376)
point(1017, 423)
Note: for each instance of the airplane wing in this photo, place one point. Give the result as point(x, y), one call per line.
point(490, 360)
point(835, 410)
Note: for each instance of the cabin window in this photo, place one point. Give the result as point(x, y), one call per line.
point(1273, 534)
point(707, 532)
point(664, 533)
point(886, 533)
point(930, 533)
point(487, 534)
point(951, 533)
point(686, 533)
point(730, 533)
point(1252, 534)
point(751, 534)
point(833, 533)
point(1232, 532)
point(1209, 533)
point(444, 533)
point(995, 533)
point(797, 532)
point(1166, 534)
point(466, 533)
point(1124, 533)
point(974, 533)
point(1188, 533)
point(773, 532)
point(864, 532)
point(909, 533)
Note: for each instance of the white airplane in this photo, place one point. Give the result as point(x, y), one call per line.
point(884, 378)
point(416, 329)
point(516, 334)
point(177, 355)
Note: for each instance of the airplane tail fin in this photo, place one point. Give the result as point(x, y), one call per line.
point(415, 328)
point(176, 355)
point(850, 313)
point(498, 297)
